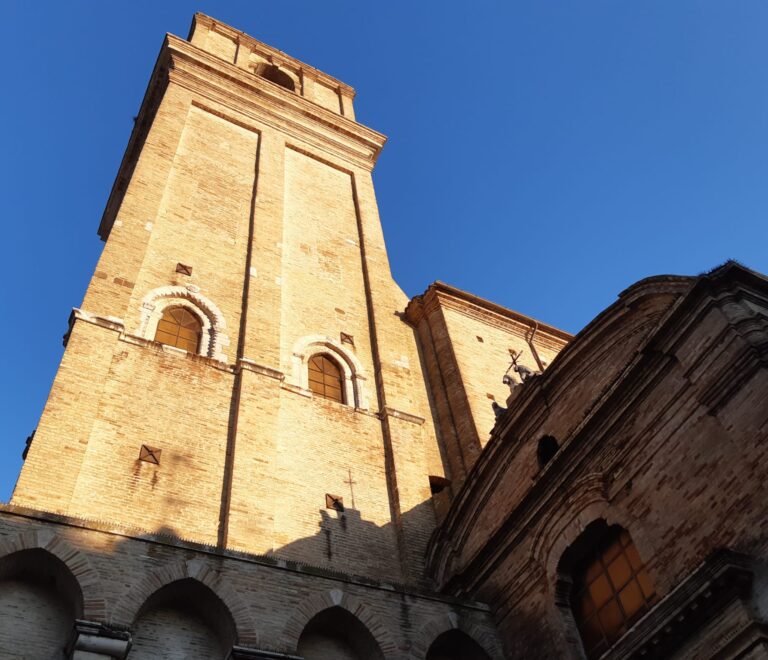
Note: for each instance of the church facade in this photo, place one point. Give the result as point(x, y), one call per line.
point(256, 446)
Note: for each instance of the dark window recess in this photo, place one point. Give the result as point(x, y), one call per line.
point(480, 339)
point(184, 269)
point(438, 484)
point(347, 339)
point(150, 454)
point(275, 75)
point(546, 450)
point(334, 502)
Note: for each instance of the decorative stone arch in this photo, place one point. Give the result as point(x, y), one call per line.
point(355, 393)
point(214, 339)
point(75, 561)
point(312, 606)
point(584, 503)
point(443, 623)
point(131, 601)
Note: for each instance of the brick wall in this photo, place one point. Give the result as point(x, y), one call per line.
point(267, 602)
point(662, 437)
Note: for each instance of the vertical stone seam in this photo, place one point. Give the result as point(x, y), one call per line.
point(234, 408)
point(389, 456)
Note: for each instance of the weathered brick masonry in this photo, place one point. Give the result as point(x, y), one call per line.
point(220, 503)
point(659, 411)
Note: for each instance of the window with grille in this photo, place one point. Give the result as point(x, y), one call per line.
point(325, 378)
point(181, 328)
point(611, 591)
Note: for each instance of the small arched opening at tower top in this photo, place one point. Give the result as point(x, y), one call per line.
point(274, 74)
point(546, 450)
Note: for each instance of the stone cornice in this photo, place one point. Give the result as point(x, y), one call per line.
point(251, 97)
point(440, 294)
point(212, 76)
point(270, 52)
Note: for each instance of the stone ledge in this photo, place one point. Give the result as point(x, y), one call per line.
point(399, 414)
point(250, 365)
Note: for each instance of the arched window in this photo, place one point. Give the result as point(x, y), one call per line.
point(179, 327)
point(275, 75)
point(325, 378)
point(611, 588)
point(546, 450)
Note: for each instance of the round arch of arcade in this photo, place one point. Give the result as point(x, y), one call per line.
point(214, 338)
point(131, 602)
point(77, 563)
point(355, 393)
point(320, 602)
point(438, 625)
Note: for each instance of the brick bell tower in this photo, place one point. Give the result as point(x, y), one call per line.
point(239, 373)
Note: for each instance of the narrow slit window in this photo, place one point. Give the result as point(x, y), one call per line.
point(180, 328)
point(325, 378)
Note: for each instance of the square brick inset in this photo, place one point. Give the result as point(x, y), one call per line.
point(347, 339)
point(334, 502)
point(150, 454)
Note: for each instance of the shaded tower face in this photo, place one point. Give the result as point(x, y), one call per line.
point(237, 374)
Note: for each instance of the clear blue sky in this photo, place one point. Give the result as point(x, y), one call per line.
point(544, 154)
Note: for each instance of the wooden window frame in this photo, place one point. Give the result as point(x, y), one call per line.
point(172, 331)
point(602, 583)
point(322, 381)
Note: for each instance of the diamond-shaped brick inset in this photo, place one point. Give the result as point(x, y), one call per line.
point(150, 454)
point(334, 502)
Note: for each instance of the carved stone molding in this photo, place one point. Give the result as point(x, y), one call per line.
point(214, 339)
point(355, 392)
point(99, 639)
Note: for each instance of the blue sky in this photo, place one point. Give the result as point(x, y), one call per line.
point(544, 154)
